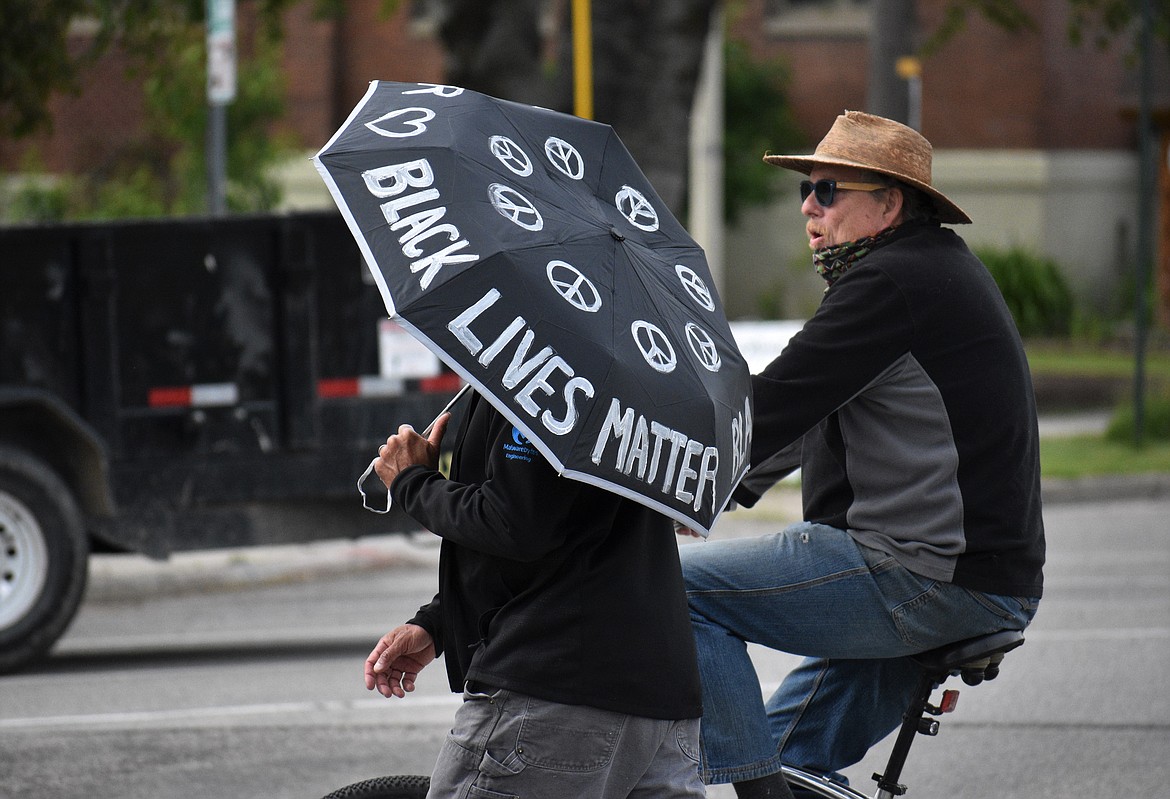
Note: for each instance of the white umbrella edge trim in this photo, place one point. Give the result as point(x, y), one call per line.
point(584, 477)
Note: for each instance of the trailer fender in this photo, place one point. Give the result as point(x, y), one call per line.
point(40, 423)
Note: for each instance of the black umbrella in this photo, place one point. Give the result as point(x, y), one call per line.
point(526, 249)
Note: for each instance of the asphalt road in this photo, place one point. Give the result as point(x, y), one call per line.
point(238, 674)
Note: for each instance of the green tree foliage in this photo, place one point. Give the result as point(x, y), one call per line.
point(1006, 14)
point(1100, 21)
point(1036, 293)
point(40, 57)
point(35, 60)
point(179, 125)
point(757, 118)
point(163, 171)
point(1155, 420)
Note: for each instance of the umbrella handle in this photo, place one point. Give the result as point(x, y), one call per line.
point(361, 481)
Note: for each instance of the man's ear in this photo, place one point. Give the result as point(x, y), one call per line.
point(892, 205)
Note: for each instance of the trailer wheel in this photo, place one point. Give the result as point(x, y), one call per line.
point(43, 551)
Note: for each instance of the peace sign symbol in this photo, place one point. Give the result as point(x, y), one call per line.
point(695, 286)
point(413, 126)
point(703, 346)
point(509, 153)
point(564, 157)
point(513, 205)
point(654, 346)
point(634, 206)
point(574, 287)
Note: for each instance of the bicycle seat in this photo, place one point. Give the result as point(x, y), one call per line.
point(975, 659)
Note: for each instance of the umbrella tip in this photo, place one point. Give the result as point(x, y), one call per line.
point(617, 234)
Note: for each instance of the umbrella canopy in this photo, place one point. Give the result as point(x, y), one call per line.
point(527, 250)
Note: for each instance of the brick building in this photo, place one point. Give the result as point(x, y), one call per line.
point(1034, 137)
point(327, 64)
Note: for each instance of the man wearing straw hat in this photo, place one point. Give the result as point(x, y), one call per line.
point(907, 404)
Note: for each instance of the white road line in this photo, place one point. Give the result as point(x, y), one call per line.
point(201, 713)
point(195, 714)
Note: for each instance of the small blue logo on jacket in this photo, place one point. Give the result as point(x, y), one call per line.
point(519, 448)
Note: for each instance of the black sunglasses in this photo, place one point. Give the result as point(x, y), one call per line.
point(826, 190)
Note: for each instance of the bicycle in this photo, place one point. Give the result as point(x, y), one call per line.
point(974, 660)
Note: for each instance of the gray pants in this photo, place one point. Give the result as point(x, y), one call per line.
point(506, 744)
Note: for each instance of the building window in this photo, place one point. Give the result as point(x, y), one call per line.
point(813, 18)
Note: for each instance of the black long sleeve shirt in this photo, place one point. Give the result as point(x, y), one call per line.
point(908, 399)
point(549, 586)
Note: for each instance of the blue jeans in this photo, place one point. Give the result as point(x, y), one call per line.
point(505, 744)
point(854, 612)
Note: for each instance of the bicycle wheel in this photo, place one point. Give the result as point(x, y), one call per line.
point(807, 784)
point(401, 786)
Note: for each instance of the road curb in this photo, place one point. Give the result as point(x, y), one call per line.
point(1105, 488)
point(132, 578)
point(129, 578)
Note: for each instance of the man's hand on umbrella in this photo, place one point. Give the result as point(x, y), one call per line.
point(407, 448)
point(396, 660)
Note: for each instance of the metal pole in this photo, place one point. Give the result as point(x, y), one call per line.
point(221, 90)
point(1145, 215)
point(582, 60)
point(217, 159)
point(909, 69)
point(892, 33)
point(705, 186)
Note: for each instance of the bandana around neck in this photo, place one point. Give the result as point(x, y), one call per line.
point(831, 262)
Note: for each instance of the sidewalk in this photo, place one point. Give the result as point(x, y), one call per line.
point(1074, 424)
point(1095, 489)
point(121, 578)
point(116, 578)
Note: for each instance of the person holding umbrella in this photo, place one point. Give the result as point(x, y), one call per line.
point(907, 404)
point(562, 618)
point(528, 251)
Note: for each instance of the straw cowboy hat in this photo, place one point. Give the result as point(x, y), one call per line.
point(880, 145)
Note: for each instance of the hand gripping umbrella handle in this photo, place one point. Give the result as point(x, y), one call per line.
point(370, 469)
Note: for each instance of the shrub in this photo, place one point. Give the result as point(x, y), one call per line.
point(1036, 293)
point(757, 117)
point(1155, 421)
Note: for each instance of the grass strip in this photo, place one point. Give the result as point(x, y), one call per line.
point(1085, 456)
point(1078, 360)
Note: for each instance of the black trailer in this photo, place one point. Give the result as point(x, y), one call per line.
point(186, 384)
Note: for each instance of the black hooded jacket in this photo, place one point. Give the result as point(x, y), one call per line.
point(548, 586)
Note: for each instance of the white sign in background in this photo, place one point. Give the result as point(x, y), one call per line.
point(760, 342)
point(221, 51)
point(401, 355)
